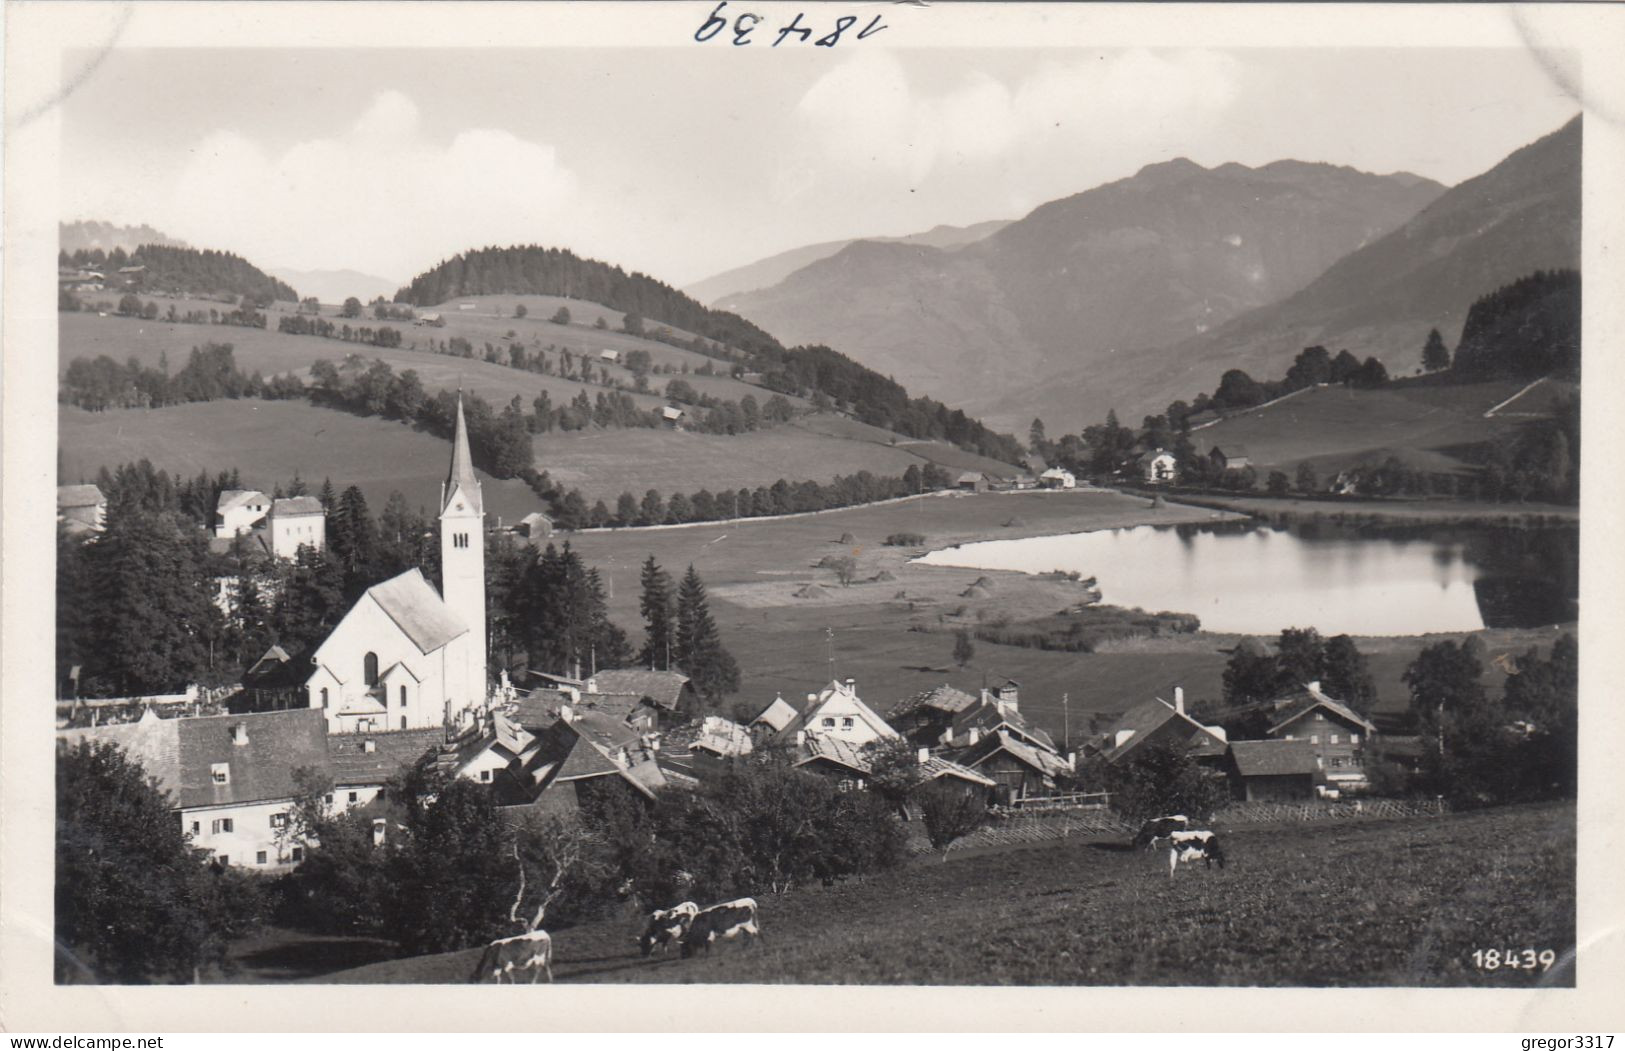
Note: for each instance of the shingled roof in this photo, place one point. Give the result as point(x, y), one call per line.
point(261, 768)
point(412, 604)
point(942, 698)
point(153, 742)
point(296, 505)
point(626, 688)
point(1146, 718)
point(78, 496)
point(231, 499)
point(392, 752)
point(1047, 763)
point(1273, 758)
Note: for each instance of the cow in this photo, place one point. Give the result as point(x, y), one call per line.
point(667, 926)
point(727, 920)
point(1191, 846)
point(1158, 828)
point(532, 951)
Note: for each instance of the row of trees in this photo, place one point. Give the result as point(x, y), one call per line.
point(680, 633)
point(210, 373)
point(300, 325)
point(571, 511)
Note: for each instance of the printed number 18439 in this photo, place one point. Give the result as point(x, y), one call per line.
point(1516, 959)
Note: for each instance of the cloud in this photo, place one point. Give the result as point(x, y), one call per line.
point(865, 113)
point(382, 196)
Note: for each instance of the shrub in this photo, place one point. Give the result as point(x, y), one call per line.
point(905, 540)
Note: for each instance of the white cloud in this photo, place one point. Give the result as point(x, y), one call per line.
point(381, 197)
point(865, 114)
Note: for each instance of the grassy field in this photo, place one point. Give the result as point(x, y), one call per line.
point(1333, 428)
point(1377, 903)
point(270, 441)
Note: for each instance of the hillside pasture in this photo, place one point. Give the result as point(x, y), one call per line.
point(269, 442)
point(1401, 902)
point(1428, 427)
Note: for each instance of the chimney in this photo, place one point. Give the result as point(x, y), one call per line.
point(1179, 699)
point(1072, 760)
point(811, 697)
point(947, 734)
point(1314, 688)
point(975, 734)
point(851, 685)
point(924, 756)
point(801, 738)
point(592, 684)
point(239, 734)
point(565, 713)
point(369, 745)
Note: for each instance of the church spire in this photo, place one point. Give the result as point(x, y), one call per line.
point(462, 468)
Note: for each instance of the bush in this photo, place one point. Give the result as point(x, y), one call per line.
point(905, 540)
point(949, 813)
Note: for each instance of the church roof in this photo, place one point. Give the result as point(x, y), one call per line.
point(412, 604)
point(296, 505)
point(462, 474)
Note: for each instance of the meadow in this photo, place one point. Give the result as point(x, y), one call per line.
point(1332, 428)
point(1402, 902)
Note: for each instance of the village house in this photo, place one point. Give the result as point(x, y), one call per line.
point(851, 768)
point(1159, 467)
point(834, 711)
point(238, 511)
point(611, 356)
point(294, 522)
point(1019, 769)
point(1271, 771)
point(972, 481)
point(361, 764)
point(1156, 720)
point(1230, 457)
point(405, 657)
point(534, 526)
point(1338, 736)
point(433, 320)
point(719, 742)
point(1058, 478)
point(81, 509)
point(231, 779)
point(672, 415)
point(580, 753)
point(645, 699)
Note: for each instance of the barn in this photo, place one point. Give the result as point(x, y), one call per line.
point(1271, 771)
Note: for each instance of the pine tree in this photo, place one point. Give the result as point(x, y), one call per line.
point(659, 609)
point(1434, 355)
point(699, 649)
point(311, 600)
point(327, 496)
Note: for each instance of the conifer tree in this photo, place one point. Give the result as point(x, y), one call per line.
point(1434, 355)
point(699, 649)
point(659, 609)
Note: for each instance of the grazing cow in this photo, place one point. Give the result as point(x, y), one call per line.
point(531, 952)
point(667, 926)
point(1158, 828)
point(726, 920)
point(1193, 845)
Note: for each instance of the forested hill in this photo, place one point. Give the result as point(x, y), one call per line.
point(560, 272)
point(807, 371)
point(190, 270)
point(1524, 330)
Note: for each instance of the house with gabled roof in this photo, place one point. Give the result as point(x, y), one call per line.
point(81, 508)
point(1230, 457)
point(834, 711)
point(647, 698)
point(1021, 770)
point(583, 751)
point(1155, 720)
point(1338, 735)
point(1158, 466)
point(238, 511)
point(361, 764)
point(231, 780)
point(924, 717)
point(851, 767)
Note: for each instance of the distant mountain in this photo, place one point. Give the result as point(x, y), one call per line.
point(764, 273)
point(1171, 252)
point(1520, 216)
point(90, 234)
point(335, 286)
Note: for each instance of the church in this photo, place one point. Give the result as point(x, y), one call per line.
point(405, 657)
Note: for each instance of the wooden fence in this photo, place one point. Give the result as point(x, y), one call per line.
point(1009, 828)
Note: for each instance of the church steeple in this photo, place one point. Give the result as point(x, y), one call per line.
point(462, 573)
point(462, 476)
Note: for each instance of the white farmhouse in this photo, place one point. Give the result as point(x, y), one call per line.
point(1058, 478)
point(294, 522)
point(238, 511)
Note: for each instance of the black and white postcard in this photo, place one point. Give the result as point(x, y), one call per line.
point(857, 500)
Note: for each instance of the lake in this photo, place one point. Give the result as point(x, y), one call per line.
point(1254, 578)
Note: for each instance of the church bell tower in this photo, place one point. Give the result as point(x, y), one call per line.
point(462, 573)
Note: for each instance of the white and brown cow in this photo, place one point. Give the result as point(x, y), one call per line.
point(1158, 828)
point(727, 920)
point(1191, 846)
point(508, 957)
point(667, 926)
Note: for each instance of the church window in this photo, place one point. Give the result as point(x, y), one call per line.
point(324, 696)
point(403, 695)
point(403, 722)
point(369, 669)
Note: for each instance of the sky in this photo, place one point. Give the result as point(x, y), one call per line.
point(686, 162)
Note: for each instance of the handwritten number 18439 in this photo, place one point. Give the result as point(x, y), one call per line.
point(743, 25)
